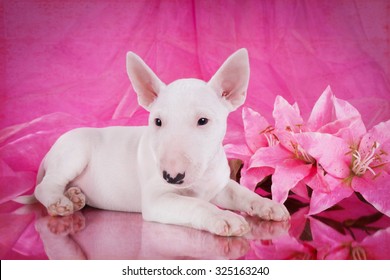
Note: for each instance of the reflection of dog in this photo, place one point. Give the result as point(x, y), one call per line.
point(89, 234)
point(174, 170)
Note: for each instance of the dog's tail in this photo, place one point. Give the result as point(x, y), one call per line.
point(31, 199)
point(25, 199)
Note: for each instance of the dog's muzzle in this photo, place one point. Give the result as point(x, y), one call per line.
point(176, 180)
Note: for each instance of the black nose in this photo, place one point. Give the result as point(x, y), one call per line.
point(177, 180)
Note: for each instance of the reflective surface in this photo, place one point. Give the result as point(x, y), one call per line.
point(351, 230)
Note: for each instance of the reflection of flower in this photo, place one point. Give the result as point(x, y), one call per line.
point(331, 244)
point(344, 233)
point(332, 153)
point(286, 247)
point(283, 248)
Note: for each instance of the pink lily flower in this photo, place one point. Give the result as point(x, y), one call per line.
point(370, 167)
point(290, 164)
point(332, 153)
point(331, 116)
point(365, 153)
point(293, 165)
point(368, 171)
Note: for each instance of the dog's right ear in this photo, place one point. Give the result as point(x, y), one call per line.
point(145, 83)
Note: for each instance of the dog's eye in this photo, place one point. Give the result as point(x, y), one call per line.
point(203, 121)
point(157, 122)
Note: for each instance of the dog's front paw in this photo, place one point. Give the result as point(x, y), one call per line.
point(72, 201)
point(62, 207)
point(228, 223)
point(268, 210)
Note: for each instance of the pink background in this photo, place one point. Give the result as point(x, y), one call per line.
point(62, 63)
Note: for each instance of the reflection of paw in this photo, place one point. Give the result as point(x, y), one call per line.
point(78, 222)
point(232, 247)
point(261, 229)
point(77, 197)
point(268, 210)
point(62, 225)
point(228, 223)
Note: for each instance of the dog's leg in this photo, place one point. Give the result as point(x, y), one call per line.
point(172, 208)
point(62, 168)
point(238, 198)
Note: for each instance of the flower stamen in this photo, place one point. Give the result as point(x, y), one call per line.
point(301, 154)
point(272, 139)
point(361, 165)
point(358, 253)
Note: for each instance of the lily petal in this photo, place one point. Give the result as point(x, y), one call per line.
point(380, 134)
point(237, 151)
point(348, 129)
point(286, 177)
point(251, 177)
point(329, 151)
point(318, 182)
point(376, 190)
point(270, 156)
point(286, 116)
point(323, 111)
point(337, 117)
point(286, 139)
point(254, 123)
point(374, 245)
point(321, 201)
point(344, 110)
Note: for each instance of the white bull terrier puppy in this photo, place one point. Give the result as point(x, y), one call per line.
point(174, 170)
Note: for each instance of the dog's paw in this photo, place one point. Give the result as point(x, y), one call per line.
point(228, 223)
point(72, 201)
point(77, 197)
point(62, 207)
point(268, 210)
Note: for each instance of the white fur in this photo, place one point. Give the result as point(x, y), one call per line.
point(121, 168)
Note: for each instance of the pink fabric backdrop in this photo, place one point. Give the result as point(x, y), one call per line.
point(62, 63)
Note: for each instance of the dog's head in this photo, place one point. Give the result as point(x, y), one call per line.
point(187, 119)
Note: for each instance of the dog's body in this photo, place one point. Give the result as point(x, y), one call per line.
point(174, 170)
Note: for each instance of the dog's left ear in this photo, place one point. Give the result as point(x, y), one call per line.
point(232, 78)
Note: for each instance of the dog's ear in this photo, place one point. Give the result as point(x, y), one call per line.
point(232, 78)
point(145, 83)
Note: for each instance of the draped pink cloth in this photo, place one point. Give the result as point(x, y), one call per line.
point(62, 63)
